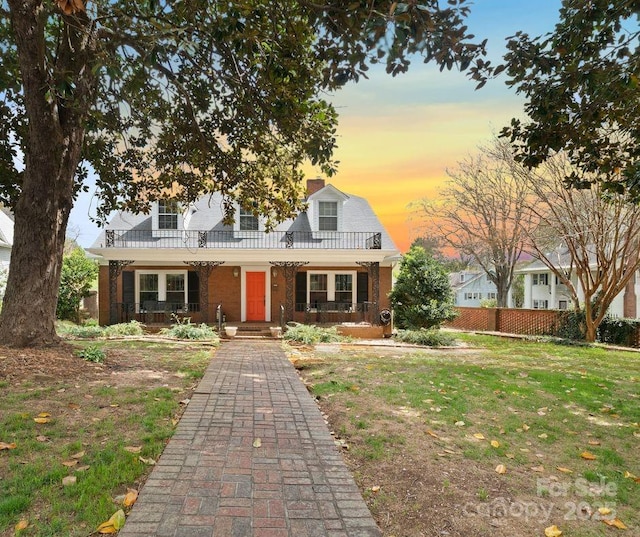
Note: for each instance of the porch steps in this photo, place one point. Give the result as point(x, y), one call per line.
point(254, 331)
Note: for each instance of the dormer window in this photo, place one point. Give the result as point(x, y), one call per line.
point(328, 215)
point(248, 221)
point(167, 214)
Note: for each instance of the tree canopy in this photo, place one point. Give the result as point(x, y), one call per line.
point(181, 97)
point(582, 93)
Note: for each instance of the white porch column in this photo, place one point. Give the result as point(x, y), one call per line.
point(552, 288)
point(528, 284)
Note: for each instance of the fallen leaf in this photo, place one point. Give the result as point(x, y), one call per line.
point(82, 468)
point(44, 415)
point(564, 470)
point(431, 433)
point(501, 469)
point(594, 442)
point(588, 456)
point(133, 449)
point(148, 461)
point(616, 523)
point(495, 444)
point(459, 423)
point(510, 456)
point(175, 422)
point(4, 445)
point(74, 406)
point(115, 405)
point(257, 442)
point(552, 531)
point(112, 525)
point(69, 480)
point(539, 469)
point(479, 436)
point(629, 475)
point(70, 463)
point(375, 488)
point(41, 438)
point(543, 436)
point(525, 427)
point(78, 455)
point(22, 525)
point(41, 420)
point(604, 510)
point(130, 498)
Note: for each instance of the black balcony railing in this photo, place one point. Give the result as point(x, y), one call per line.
point(193, 239)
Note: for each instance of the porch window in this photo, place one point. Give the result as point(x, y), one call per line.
point(168, 214)
point(344, 288)
point(540, 304)
point(161, 289)
point(248, 221)
point(318, 289)
point(328, 215)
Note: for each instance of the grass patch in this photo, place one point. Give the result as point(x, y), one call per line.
point(132, 400)
point(422, 414)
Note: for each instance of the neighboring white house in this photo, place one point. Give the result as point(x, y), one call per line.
point(543, 290)
point(470, 287)
point(6, 237)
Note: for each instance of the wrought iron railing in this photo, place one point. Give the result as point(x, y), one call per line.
point(332, 240)
point(336, 312)
point(151, 312)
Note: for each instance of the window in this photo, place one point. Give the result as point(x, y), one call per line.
point(328, 215)
point(540, 304)
point(318, 291)
point(248, 221)
point(492, 296)
point(562, 304)
point(162, 286)
point(334, 287)
point(462, 277)
point(540, 279)
point(344, 288)
point(167, 214)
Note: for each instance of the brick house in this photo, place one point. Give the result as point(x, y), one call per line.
point(332, 263)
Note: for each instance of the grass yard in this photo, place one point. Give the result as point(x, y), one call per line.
point(101, 428)
point(501, 437)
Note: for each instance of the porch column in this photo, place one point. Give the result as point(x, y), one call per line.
point(115, 269)
point(204, 268)
point(289, 268)
point(373, 269)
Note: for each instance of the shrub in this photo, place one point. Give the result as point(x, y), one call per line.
point(429, 338)
point(77, 276)
point(92, 353)
point(84, 331)
point(618, 331)
point(185, 329)
point(132, 328)
point(422, 295)
point(311, 334)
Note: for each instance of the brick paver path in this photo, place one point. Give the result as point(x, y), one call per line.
point(212, 482)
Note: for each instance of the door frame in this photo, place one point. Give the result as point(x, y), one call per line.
point(267, 291)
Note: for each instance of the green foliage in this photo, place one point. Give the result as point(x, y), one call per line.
point(311, 334)
point(4, 274)
point(582, 92)
point(132, 328)
point(428, 338)
point(185, 329)
point(422, 295)
point(92, 353)
point(78, 273)
point(84, 331)
point(618, 331)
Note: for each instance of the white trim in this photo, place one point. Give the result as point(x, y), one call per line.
point(331, 283)
point(243, 291)
point(162, 283)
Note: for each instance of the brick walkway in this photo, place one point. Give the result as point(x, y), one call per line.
point(212, 482)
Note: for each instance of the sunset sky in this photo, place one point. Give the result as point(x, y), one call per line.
point(398, 136)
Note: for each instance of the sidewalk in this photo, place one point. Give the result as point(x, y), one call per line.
point(212, 481)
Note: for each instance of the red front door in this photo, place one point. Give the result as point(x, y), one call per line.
point(256, 296)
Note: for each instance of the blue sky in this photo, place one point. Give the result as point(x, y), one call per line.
point(397, 136)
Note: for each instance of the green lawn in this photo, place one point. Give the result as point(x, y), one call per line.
point(543, 405)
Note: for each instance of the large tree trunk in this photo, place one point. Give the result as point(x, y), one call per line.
point(52, 153)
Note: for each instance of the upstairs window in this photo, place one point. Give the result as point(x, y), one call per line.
point(540, 279)
point(248, 221)
point(167, 214)
point(328, 215)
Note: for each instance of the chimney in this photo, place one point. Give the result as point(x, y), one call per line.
point(313, 185)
